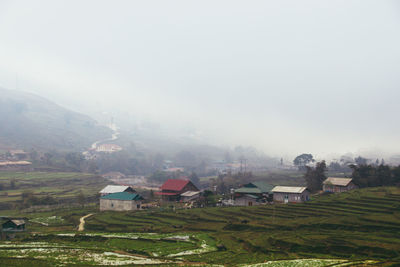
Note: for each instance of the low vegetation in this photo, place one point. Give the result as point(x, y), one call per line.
point(21, 190)
point(349, 229)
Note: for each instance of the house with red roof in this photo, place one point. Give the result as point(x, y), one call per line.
point(172, 189)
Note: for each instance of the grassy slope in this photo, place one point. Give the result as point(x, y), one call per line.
point(360, 224)
point(60, 185)
point(363, 224)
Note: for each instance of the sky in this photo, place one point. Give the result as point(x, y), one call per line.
point(286, 77)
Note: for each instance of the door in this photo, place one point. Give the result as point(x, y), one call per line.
point(286, 199)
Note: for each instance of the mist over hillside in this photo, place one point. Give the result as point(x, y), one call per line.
point(30, 121)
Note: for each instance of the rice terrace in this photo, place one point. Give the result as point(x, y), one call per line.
point(200, 133)
point(358, 228)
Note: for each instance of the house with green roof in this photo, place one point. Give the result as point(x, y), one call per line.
point(121, 201)
point(253, 193)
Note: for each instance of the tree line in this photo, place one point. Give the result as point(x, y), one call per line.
point(364, 175)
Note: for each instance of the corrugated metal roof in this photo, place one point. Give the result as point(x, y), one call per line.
point(251, 190)
point(190, 193)
point(289, 189)
point(123, 196)
point(18, 222)
point(264, 187)
point(255, 188)
point(174, 184)
point(337, 181)
point(109, 189)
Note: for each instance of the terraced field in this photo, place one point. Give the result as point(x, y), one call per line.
point(62, 186)
point(363, 224)
point(360, 228)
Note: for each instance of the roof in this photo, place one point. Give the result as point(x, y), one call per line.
point(289, 189)
point(252, 190)
point(337, 181)
point(174, 184)
point(18, 222)
point(255, 188)
point(109, 189)
point(249, 196)
point(190, 193)
point(123, 196)
point(265, 187)
point(15, 163)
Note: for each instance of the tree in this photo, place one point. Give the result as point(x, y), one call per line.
point(335, 166)
point(81, 199)
point(360, 160)
point(194, 178)
point(302, 160)
point(75, 159)
point(315, 176)
point(12, 184)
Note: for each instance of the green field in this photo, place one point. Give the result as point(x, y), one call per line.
point(349, 229)
point(64, 187)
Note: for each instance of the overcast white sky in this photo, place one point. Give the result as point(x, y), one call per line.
point(285, 76)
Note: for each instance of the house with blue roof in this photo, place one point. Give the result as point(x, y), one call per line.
point(121, 201)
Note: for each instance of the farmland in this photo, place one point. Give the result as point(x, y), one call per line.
point(60, 186)
point(359, 227)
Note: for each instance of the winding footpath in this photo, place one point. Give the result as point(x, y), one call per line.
point(81, 226)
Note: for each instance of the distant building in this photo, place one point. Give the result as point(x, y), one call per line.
point(122, 201)
point(110, 189)
point(172, 189)
point(190, 196)
point(291, 194)
point(19, 154)
point(337, 185)
point(16, 165)
point(247, 200)
point(260, 189)
point(13, 225)
point(113, 175)
point(108, 148)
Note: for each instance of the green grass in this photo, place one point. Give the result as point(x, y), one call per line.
point(62, 186)
point(358, 226)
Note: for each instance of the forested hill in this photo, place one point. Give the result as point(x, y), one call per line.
point(30, 121)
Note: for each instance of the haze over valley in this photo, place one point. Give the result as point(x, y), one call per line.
point(207, 133)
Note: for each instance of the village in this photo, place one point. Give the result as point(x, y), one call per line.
point(183, 191)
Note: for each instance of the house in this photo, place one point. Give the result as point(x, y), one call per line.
point(13, 225)
point(190, 196)
point(247, 200)
point(172, 189)
point(260, 189)
point(108, 148)
point(110, 189)
point(288, 194)
point(121, 201)
point(16, 165)
point(337, 185)
point(18, 154)
point(113, 175)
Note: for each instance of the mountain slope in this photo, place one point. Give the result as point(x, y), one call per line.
point(29, 121)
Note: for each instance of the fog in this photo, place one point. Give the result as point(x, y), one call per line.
point(286, 77)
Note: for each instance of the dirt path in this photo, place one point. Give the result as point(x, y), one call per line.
point(81, 226)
